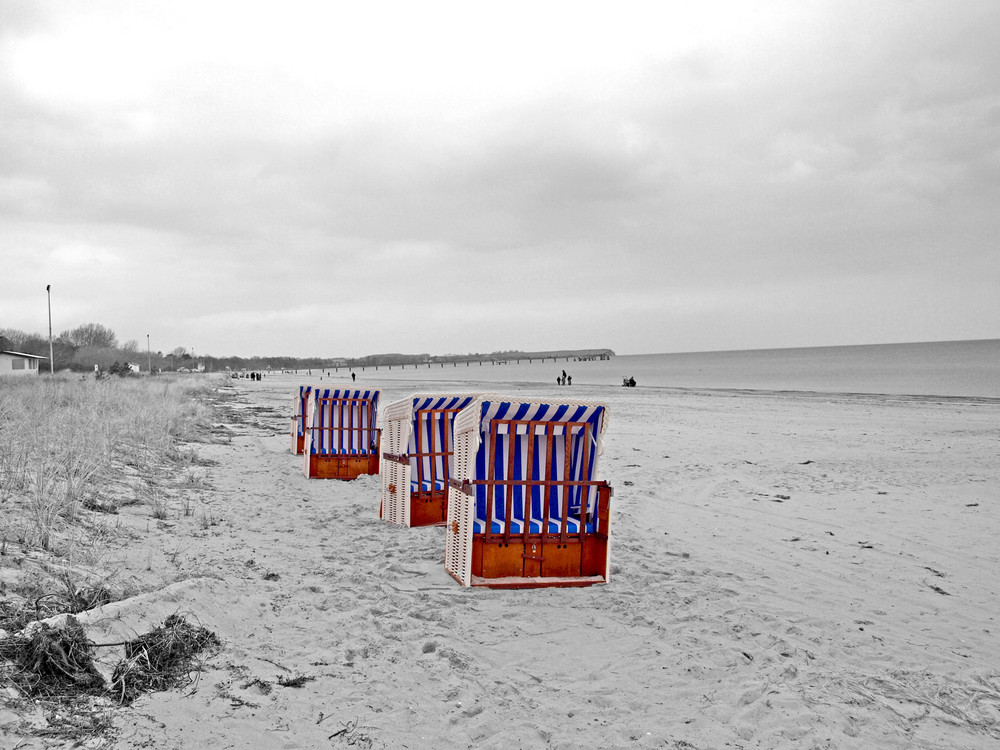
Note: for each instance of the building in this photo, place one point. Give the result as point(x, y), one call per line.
point(18, 363)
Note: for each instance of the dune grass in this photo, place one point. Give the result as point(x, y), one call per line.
point(73, 448)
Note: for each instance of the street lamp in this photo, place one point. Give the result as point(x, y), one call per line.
point(52, 361)
point(149, 358)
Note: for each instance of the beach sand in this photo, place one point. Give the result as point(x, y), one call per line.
point(788, 570)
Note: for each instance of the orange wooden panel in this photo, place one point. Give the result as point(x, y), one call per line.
point(342, 467)
point(477, 555)
point(595, 556)
point(562, 560)
point(501, 560)
point(428, 508)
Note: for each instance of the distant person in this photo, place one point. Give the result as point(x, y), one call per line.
point(569, 380)
point(558, 380)
point(631, 382)
point(353, 377)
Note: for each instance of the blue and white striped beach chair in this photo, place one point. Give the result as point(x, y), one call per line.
point(298, 429)
point(417, 457)
point(525, 505)
point(342, 437)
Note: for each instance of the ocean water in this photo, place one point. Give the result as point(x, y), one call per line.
point(946, 368)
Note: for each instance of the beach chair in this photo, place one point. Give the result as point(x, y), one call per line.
point(298, 428)
point(341, 440)
point(417, 457)
point(525, 506)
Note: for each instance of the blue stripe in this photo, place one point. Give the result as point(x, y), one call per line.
point(582, 447)
point(357, 415)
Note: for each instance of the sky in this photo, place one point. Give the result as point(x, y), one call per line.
point(341, 179)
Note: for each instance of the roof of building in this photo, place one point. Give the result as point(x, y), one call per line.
point(21, 354)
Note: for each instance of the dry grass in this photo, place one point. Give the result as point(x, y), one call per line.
point(69, 444)
point(73, 453)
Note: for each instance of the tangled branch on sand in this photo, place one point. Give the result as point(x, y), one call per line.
point(53, 662)
point(54, 667)
point(161, 659)
point(58, 662)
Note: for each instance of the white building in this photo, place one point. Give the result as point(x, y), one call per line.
point(18, 363)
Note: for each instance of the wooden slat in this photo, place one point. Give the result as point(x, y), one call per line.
point(550, 440)
point(567, 456)
point(511, 451)
point(491, 488)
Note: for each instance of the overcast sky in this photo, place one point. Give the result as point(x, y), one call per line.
point(343, 179)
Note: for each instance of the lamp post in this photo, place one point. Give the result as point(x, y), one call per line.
point(149, 358)
point(52, 361)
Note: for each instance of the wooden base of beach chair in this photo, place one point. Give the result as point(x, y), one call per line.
point(428, 508)
point(538, 562)
point(298, 444)
point(342, 467)
point(518, 582)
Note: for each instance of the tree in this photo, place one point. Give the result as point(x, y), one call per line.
point(91, 334)
point(12, 338)
point(130, 347)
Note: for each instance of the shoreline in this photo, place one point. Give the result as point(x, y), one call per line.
point(548, 389)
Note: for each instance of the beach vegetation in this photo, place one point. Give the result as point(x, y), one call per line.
point(73, 452)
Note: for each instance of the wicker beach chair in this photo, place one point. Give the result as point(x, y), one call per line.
point(417, 457)
point(342, 440)
point(526, 507)
point(298, 427)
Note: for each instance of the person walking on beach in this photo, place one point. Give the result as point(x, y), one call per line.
point(353, 377)
point(569, 380)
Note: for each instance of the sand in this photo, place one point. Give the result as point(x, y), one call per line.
point(788, 570)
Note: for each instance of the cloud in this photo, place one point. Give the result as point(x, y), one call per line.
point(498, 176)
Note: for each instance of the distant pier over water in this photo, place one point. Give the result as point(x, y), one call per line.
point(389, 362)
point(943, 368)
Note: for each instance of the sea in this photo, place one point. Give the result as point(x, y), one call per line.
point(940, 368)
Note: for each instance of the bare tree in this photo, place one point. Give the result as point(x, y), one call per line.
point(13, 337)
point(91, 334)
